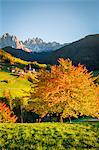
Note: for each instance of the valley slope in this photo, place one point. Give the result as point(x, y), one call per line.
point(84, 51)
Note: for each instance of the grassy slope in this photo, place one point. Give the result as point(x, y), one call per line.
point(47, 136)
point(7, 56)
point(16, 85)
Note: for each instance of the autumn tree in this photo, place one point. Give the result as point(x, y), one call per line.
point(7, 95)
point(67, 90)
point(35, 103)
point(6, 114)
point(19, 106)
point(23, 103)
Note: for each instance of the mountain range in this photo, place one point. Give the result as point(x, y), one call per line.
point(13, 41)
point(84, 51)
point(30, 45)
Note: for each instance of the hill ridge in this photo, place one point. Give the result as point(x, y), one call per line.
point(84, 51)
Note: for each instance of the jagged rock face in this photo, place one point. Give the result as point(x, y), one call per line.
point(13, 41)
point(30, 45)
point(38, 45)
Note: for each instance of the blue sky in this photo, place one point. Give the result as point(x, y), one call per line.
point(52, 20)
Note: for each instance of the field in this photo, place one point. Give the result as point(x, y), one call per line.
point(16, 85)
point(49, 136)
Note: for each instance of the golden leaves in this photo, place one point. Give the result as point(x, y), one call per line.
point(68, 87)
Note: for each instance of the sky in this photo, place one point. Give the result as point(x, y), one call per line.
point(63, 21)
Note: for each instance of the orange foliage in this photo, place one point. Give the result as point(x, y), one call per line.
point(6, 114)
point(68, 90)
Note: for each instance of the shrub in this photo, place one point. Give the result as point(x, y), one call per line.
point(6, 114)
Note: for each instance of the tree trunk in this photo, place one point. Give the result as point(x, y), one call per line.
point(39, 119)
point(60, 118)
point(10, 104)
point(69, 119)
point(21, 109)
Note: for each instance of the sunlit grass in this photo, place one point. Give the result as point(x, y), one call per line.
point(42, 136)
point(15, 84)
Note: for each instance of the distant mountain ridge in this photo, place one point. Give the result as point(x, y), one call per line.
point(12, 41)
point(84, 51)
point(38, 45)
point(30, 45)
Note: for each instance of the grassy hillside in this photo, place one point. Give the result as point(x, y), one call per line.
point(84, 51)
point(11, 81)
point(17, 85)
point(8, 58)
point(47, 136)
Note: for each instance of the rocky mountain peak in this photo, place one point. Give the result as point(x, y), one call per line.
point(6, 35)
point(30, 45)
point(13, 41)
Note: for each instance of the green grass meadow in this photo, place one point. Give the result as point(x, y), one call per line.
point(18, 86)
point(49, 136)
